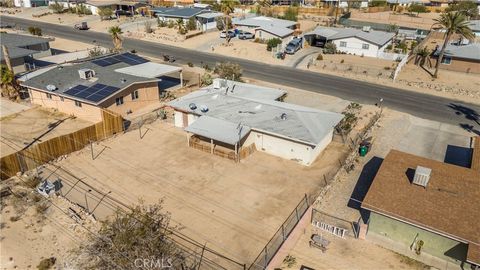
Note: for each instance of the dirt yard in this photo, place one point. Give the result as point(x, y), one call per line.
point(20, 129)
point(422, 21)
point(450, 84)
point(33, 229)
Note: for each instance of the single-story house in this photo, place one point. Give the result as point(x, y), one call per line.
point(205, 18)
point(67, 3)
point(266, 27)
point(427, 206)
point(118, 6)
point(30, 3)
point(461, 58)
point(22, 49)
point(365, 42)
point(237, 116)
point(344, 3)
point(404, 3)
point(123, 83)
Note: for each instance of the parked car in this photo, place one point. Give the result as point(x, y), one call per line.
point(231, 34)
point(246, 35)
point(81, 26)
point(293, 46)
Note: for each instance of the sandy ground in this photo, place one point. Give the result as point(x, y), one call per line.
point(450, 84)
point(394, 131)
point(34, 236)
point(247, 49)
point(22, 128)
point(8, 107)
point(422, 21)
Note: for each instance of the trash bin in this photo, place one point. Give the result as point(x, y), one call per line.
point(363, 150)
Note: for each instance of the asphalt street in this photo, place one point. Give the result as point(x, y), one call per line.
point(418, 104)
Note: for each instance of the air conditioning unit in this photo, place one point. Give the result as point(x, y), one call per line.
point(366, 28)
point(422, 176)
point(86, 73)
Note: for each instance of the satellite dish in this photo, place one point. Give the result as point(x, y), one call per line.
point(283, 116)
point(192, 106)
point(204, 108)
point(51, 87)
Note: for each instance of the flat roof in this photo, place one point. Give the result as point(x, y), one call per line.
point(16, 44)
point(149, 70)
point(470, 51)
point(449, 205)
point(178, 12)
point(263, 21)
point(218, 129)
point(257, 111)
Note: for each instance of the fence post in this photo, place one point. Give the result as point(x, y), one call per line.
point(266, 258)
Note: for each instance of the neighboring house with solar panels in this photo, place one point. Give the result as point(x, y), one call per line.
point(231, 117)
point(122, 83)
point(22, 50)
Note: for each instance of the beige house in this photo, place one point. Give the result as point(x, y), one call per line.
point(461, 58)
point(122, 83)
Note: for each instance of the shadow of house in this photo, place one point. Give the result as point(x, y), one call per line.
point(458, 252)
point(363, 184)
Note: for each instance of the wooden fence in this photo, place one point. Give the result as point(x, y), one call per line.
point(223, 152)
point(53, 148)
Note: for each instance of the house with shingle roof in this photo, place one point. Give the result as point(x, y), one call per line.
point(461, 58)
point(123, 83)
point(266, 27)
point(427, 208)
point(22, 49)
point(364, 42)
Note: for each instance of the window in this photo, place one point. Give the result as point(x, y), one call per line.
point(49, 96)
point(62, 99)
point(135, 95)
point(446, 60)
point(119, 101)
point(78, 103)
point(343, 44)
point(365, 46)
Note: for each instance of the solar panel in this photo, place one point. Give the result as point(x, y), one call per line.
point(76, 89)
point(105, 62)
point(131, 59)
point(96, 97)
point(110, 89)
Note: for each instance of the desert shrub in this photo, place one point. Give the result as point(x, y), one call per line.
point(170, 24)
point(95, 52)
point(161, 23)
point(290, 261)
point(105, 13)
point(83, 10)
point(272, 43)
point(387, 68)
point(417, 8)
point(33, 30)
point(206, 79)
point(191, 24)
point(47, 263)
point(56, 7)
point(190, 64)
point(229, 71)
point(330, 48)
point(291, 14)
point(148, 27)
point(377, 3)
point(15, 218)
point(400, 9)
point(207, 68)
point(342, 61)
point(319, 57)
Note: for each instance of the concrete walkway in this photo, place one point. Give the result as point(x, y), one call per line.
point(298, 58)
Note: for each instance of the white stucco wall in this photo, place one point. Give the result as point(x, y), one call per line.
point(354, 46)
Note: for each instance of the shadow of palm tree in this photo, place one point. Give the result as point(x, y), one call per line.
point(467, 112)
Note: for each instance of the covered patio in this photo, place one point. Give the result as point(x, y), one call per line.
point(219, 137)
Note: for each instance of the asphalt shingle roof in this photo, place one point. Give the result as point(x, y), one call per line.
point(16, 44)
point(177, 12)
point(375, 37)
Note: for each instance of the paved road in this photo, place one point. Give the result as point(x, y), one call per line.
point(421, 105)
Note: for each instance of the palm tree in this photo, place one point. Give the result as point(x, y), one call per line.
point(8, 83)
point(227, 7)
point(116, 33)
point(453, 22)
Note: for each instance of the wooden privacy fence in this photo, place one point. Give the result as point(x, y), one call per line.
point(53, 148)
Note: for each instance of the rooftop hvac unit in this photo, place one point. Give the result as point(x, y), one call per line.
point(51, 87)
point(86, 73)
point(366, 28)
point(422, 176)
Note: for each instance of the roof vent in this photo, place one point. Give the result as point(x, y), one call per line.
point(258, 107)
point(219, 83)
point(123, 80)
point(51, 87)
point(192, 106)
point(86, 73)
point(422, 176)
point(283, 116)
point(366, 28)
point(204, 108)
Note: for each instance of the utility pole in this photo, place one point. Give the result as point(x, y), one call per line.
point(336, 12)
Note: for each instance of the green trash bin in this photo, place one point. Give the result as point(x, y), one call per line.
point(363, 150)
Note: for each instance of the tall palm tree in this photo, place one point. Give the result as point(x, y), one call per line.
point(8, 83)
point(116, 32)
point(452, 22)
point(227, 7)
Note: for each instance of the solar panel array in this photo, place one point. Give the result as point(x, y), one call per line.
point(127, 58)
point(94, 93)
